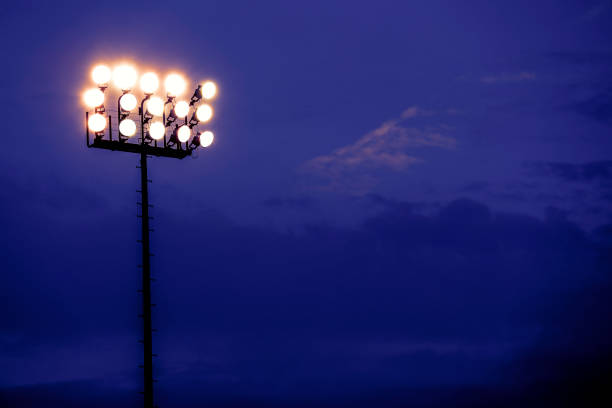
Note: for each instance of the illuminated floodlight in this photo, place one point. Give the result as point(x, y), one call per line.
point(101, 75)
point(181, 109)
point(128, 102)
point(127, 127)
point(183, 133)
point(93, 97)
point(204, 113)
point(175, 85)
point(157, 130)
point(209, 90)
point(206, 138)
point(125, 77)
point(149, 83)
point(97, 123)
point(155, 106)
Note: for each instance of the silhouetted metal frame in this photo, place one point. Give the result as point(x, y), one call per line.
point(144, 148)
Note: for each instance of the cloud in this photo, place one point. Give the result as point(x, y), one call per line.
point(577, 172)
point(349, 168)
point(507, 77)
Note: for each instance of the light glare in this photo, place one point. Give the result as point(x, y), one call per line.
point(183, 133)
point(181, 109)
point(97, 123)
point(125, 76)
point(127, 127)
point(155, 106)
point(206, 138)
point(175, 85)
point(204, 113)
point(128, 102)
point(157, 130)
point(209, 90)
point(101, 75)
point(149, 83)
point(93, 97)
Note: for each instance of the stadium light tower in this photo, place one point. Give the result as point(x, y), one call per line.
point(166, 130)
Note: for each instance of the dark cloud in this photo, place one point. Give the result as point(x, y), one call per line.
point(577, 172)
point(290, 202)
point(598, 106)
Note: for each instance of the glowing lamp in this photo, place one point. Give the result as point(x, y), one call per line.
point(97, 123)
point(127, 127)
point(175, 85)
point(93, 97)
point(183, 133)
point(101, 75)
point(181, 109)
point(128, 102)
point(206, 138)
point(204, 113)
point(209, 90)
point(149, 83)
point(125, 77)
point(157, 130)
point(155, 106)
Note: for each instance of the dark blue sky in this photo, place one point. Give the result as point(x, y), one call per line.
point(407, 203)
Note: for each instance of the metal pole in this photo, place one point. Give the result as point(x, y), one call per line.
point(146, 286)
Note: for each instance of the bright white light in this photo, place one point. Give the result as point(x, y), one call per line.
point(93, 97)
point(155, 106)
point(206, 138)
point(128, 102)
point(101, 75)
point(175, 85)
point(96, 122)
point(204, 113)
point(157, 130)
point(149, 83)
point(209, 90)
point(181, 109)
point(127, 127)
point(125, 77)
point(183, 133)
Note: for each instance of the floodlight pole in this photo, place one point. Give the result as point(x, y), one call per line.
point(146, 285)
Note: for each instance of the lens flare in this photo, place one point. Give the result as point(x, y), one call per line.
point(183, 133)
point(128, 102)
point(204, 113)
point(175, 85)
point(125, 77)
point(209, 90)
point(97, 123)
point(206, 138)
point(93, 97)
point(127, 127)
point(181, 109)
point(101, 74)
point(149, 83)
point(157, 130)
point(155, 106)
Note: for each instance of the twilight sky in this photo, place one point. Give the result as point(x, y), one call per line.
point(407, 203)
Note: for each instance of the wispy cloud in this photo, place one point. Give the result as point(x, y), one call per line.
point(386, 147)
point(508, 77)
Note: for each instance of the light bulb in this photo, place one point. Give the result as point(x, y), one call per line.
point(127, 127)
point(155, 106)
point(157, 130)
point(183, 133)
point(93, 97)
point(96, 123)
point(204, 113)
point(128, 102)
point(125, 77)
point(209, 90)
point(206, 138)
point(101, 75)
point(175, 85)
point(181, 109)
point(149, 83)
